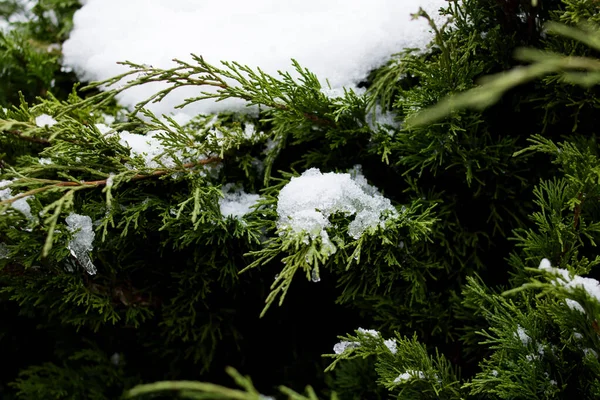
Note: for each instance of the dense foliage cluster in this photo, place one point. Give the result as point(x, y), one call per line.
point(472, 215)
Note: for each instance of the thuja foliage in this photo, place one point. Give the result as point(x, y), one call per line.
point(490, 165)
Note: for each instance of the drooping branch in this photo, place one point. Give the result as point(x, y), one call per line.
point(103, 182)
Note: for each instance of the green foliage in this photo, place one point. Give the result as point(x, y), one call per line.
point(30, 51)
point(491, 180)
point(87, 374)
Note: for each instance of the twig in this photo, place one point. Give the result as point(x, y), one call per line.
point(32, 139)
point(102, 182)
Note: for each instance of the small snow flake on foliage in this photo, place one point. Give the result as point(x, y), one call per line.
point(590, 352)
point(3, 251)
point(45, 161)
point(314, 276)
point(408, 375)
point(344, 345)
point(20, 205)
point(249, 130)
point(82, 241)
point(45, 120)
point(574, 305)
point(391, 345)
point(306, 203)
point(370, 332)
point(522, 335)
point(110, 180)
point(115, 359)
point(235, 202)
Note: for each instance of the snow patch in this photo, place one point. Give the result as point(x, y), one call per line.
point(338, 41)
point(236, 203)
point(45, 120)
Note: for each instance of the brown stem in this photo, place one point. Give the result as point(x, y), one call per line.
point(577, 211)
point(102, 182)
point(32, 139)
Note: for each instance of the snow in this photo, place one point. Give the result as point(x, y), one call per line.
point(338, 41)
point(545, 264)
point(45, 161)
point(146, 146)
point(103, 129)
point(314, 276)
point(3, 251)
point(307, 201)
point(564, 278)
point(115, 359)
point(391, 345)
point(370, 332)
point(587, 352)
point(110, 180)
point(408, 375)
point(522, 334)
point(574, 305)
point(82, 241)
point(20, 205)
point(24, 14)
point(344, 345)
point(381, 120)
point(235, 202)
point(45, 120)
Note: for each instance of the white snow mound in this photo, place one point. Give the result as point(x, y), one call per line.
point(338, 41)
point(306, 202)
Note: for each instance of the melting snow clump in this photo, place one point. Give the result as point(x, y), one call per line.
point(342, 346)
point(236, 203)
point(81, 242)
point(306, 203)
